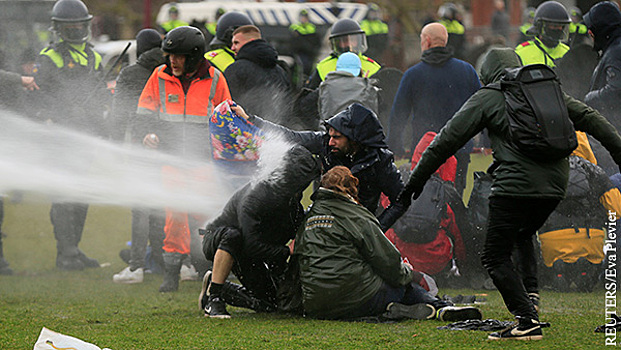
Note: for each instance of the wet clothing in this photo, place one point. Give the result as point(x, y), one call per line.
point(534, 51)
point(129, 85)
point(373, 165)
point(256, 80)
point(524, 191)
point(259, 220)
point(344, 258)
point(221, 58)
point(328, 64)
point(439, 77)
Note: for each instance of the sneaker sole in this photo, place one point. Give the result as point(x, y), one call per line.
point(529, 337)
point(414, 312)
point(218, 316)
point(205, 285)
point(461, 315)
point(126, 281)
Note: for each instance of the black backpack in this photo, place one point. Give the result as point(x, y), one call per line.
point(421, 222)
point(539, 124)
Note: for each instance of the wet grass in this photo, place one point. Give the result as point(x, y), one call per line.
point(87, 305)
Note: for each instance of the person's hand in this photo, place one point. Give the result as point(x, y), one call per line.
point(410, 192)
point(29, 83)
point(237, 109)
point(151, 141)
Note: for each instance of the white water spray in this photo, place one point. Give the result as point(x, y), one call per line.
point(68, 166)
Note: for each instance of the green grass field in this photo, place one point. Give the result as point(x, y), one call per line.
point(89, 306)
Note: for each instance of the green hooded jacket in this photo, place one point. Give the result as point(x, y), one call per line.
point(343, 257)
point(515, 175)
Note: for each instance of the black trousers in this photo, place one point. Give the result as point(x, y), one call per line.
point(513, 222)
point(68, 220)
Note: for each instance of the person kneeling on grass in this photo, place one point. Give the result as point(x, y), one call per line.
point(250, 237)
point(349, 269)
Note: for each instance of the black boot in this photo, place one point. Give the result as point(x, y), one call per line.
point(237, 295)
point(172, 267)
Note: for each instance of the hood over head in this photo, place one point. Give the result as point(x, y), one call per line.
point(604, 20)
point(495, 62)
point(260, 52)
point(146, 39)
point(296, 171)
point(359, 124)
point(447, 171)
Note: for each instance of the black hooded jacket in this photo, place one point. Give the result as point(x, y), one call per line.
point(129, 85)
point(255, 79)
point(373, 165)
point(268, 212)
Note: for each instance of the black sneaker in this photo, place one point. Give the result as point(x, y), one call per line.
point(398, 311)
point(71, 263)
point(524, 329)
point(88, 262)
point(534, 298)
point(216, 308)
point(458, 313)
point(203, 298)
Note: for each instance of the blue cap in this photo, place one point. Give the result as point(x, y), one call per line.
point(349, 62)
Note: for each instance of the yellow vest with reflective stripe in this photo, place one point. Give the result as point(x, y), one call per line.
point(78, 55)
point(578, 28)
point(172, 24)
point(221, 58)
point(328, 64)
point(374, 27)
point(531, 53)
point(453, 26)
point(303, 28)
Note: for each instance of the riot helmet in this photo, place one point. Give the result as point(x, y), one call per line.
point(551, 23)
point(374, 12)
point(71, 21)
point(347, 36)
point(188, 41)
point(226, 26)
point(529, 15)
point(448, 11)
point(575, 14)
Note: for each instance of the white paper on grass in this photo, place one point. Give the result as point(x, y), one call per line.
point(50, 340)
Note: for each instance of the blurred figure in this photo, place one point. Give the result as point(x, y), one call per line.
point(500, 20)
point(220, 54)
point(173, 19)
point(345, 36)
point(305, 42)
point(255, 79)
point(450, 18)
point(211, 26)
point(578, 31)
point(73, 95)
point(147, 225)
point(550, 29)
point(528, 17)
point(376, 30)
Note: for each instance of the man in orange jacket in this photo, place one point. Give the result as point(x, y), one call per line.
point(177, 102)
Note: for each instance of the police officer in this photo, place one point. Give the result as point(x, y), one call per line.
point(221, 55)
point(528, 16)
point(173, 21)
point(345, 36)
point(211, 26)
point(551, 27)
point(578, 31)
point(304, 41)
point(72, 94)
point(376, 31)
point(449, 18)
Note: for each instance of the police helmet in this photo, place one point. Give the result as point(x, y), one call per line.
point(347, 36)
point(71, 21)
point(226, 26)
point(173, 9)
point(448, 11)
point(529, 15)
point(575, 14)
point(188, 41)
point(551, 23)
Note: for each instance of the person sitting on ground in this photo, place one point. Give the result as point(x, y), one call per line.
point(349, 269)
point(249, 237)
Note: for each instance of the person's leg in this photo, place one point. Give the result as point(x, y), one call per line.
point(156, 236)
point(4, 265)
point(63, 217)
point(525, 259)
point(140, 235)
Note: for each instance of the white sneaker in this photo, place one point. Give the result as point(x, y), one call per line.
point(129, 277)
point(188, 273)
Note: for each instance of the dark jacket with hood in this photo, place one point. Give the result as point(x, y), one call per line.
point(256, 81)
point(429, 94)
point(268, 212)
point(515, 174)
point(605, 93)
point(373, 165)
point(129, 85)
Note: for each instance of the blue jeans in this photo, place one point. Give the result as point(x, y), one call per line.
point(409, 295)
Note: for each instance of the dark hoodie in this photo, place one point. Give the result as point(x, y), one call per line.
point(604, 20)
point(255, 79)
point(515, 175)
point(129, 85)
point(268, 213)
point(373, 164)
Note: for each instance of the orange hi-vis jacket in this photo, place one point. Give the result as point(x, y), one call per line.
point(183, 123)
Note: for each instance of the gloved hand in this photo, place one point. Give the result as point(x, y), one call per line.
point(411, 191)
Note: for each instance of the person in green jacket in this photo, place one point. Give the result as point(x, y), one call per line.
point(524, 191)
point(349, 269)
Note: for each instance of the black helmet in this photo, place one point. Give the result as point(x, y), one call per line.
point(575, 14)
point(529, 15)
point(448, 11)
point(187, 41)
point(226, 26)
point(347, 36)
point(551, 23)
point(71, 21)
